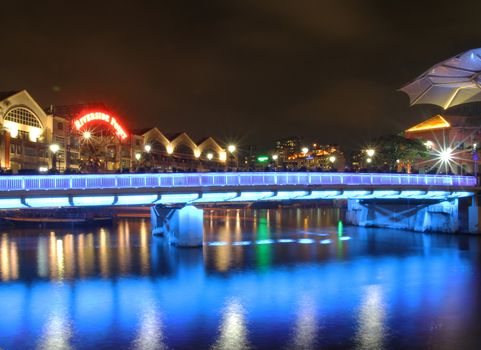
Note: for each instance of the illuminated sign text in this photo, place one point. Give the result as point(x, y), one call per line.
point(103, 117)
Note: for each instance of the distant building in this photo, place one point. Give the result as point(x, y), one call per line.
point(90, 138)
point(453, 138)
point(317, 157)
point(287, 146)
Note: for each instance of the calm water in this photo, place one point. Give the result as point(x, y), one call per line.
point(266, 279)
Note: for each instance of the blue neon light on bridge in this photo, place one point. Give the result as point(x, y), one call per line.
point(196, 188)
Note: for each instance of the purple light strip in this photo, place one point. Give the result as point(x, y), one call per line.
point(72, 182)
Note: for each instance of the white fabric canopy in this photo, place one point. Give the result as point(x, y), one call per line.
point(452, 82)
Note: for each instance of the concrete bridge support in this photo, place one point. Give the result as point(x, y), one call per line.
point(183, 227)
point(446, 216)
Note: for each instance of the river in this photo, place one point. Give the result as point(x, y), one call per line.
point(265, 279)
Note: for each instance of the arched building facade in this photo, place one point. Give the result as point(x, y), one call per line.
point(89, 138)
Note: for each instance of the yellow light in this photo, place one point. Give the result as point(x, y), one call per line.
point(147, 148)
point(231, 148)
point(275, 157)
point(305, 150)
point(170, 149)
point(34, 134)
point(54, 148)
point(332, 159)
point(197, 153)
point(12, 128)
point(370, 152)
point(436, 122)
point(210, 156)
point(369, 160)
point(138, 156)
point(86, 135)
point(222, 156)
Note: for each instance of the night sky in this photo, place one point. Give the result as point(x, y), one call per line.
point(248, 71)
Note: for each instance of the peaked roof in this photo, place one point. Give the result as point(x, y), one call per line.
point(436, 122)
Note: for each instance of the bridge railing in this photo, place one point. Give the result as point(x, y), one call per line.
point(172, 180)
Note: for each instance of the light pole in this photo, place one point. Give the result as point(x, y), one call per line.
point(275, 158)
point(232, 148)
point(370, 154)
point(54, 148)
point(137, 157)
point(147, 149)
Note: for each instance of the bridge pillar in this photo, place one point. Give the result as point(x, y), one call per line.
point(473, 216)
point(427, 217)
point(183, 227)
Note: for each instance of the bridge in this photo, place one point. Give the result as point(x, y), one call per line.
point(421, 202)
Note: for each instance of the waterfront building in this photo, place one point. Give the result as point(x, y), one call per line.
point(452, 141)
point(286, 147)
point(90, 138)
point(317, 157)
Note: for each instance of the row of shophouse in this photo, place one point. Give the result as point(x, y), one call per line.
point(90, 138)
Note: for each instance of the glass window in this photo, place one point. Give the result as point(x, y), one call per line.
point(21, 115)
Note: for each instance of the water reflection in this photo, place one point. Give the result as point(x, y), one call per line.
point(306, 326)
point(233, 329)
point(8, 259)
point(150, 334)
point(57, 333)
point(372, 315)
point(281, 279)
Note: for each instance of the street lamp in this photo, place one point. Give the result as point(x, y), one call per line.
point(305, 150)
point(54, 148)
point(231, 148)
point(332, 159)
point(86, 135)
point(210, 156)
point(275, 157)
point(147, 148)
point(370, 152)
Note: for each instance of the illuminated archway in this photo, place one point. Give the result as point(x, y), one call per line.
point(93, 118)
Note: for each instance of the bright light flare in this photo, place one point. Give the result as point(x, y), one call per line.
point(445, 157)
point(446, 154)
point(54, 148)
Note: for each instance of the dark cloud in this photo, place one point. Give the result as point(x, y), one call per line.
point(249, 70)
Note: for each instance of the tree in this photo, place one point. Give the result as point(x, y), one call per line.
point(395, 152)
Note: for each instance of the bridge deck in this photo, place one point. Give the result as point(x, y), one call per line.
point(128, 189)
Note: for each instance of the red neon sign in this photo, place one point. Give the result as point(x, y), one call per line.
point(102, 117)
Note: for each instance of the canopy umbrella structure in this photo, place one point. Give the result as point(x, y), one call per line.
point(452, 82)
